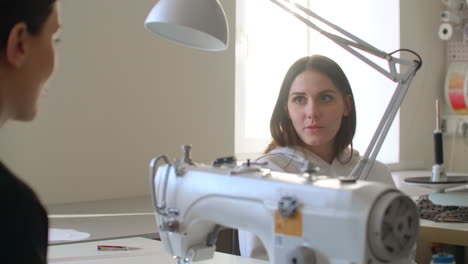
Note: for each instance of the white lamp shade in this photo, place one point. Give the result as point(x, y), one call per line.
point(198, 24)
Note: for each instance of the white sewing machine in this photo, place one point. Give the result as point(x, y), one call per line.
point(299, 218)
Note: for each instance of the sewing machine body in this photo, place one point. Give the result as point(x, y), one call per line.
point(330, 221)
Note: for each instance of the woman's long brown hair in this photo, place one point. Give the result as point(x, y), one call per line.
point(281, 127)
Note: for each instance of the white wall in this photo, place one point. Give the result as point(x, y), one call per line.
point(420, 20)
point(119, 97)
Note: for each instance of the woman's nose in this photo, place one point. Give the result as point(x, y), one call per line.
point(312, 111)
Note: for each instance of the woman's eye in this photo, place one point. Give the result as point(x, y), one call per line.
point(299, 99)
point(326, 98)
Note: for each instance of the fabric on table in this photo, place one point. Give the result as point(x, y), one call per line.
point(441, 213)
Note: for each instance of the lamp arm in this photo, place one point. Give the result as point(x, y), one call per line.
point(354, 45)
point(362, 169)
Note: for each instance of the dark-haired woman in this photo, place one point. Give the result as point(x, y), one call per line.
point(314, 120)
point(27, 31)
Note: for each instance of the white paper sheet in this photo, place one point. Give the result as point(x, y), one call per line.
point(56, 234)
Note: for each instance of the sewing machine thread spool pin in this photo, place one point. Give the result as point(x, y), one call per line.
point(438, 181)
point(438, 171)
point(186, 150)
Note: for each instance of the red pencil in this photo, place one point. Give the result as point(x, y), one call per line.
point(109, 247)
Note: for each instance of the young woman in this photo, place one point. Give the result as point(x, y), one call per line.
point(27, 29)
point(314, 120)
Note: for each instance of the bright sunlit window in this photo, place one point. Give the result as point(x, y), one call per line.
point(269, 40)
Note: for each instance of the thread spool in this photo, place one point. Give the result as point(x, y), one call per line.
point(443, 258)
point(456, 5)
point(445, 31)
point(456, 87)
point(450, 17)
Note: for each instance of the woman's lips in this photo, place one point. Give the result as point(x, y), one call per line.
point(313, 128)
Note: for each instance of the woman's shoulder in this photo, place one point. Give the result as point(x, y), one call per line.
point(15, 190)
point(25, 212)
point(13, 185)
point(381, 173)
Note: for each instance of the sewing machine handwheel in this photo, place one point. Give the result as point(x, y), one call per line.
point(302, 255)
point(393, 226)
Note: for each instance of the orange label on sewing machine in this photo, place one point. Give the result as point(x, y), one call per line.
point(291, 226)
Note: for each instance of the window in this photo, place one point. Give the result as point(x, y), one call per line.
point(269, 40)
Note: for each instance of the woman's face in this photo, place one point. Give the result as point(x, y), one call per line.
point(35, 71)
point(316, 107)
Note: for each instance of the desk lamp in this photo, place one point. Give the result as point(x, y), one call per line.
point(202, 24)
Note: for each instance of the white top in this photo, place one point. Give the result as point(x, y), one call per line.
point(292, 160)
